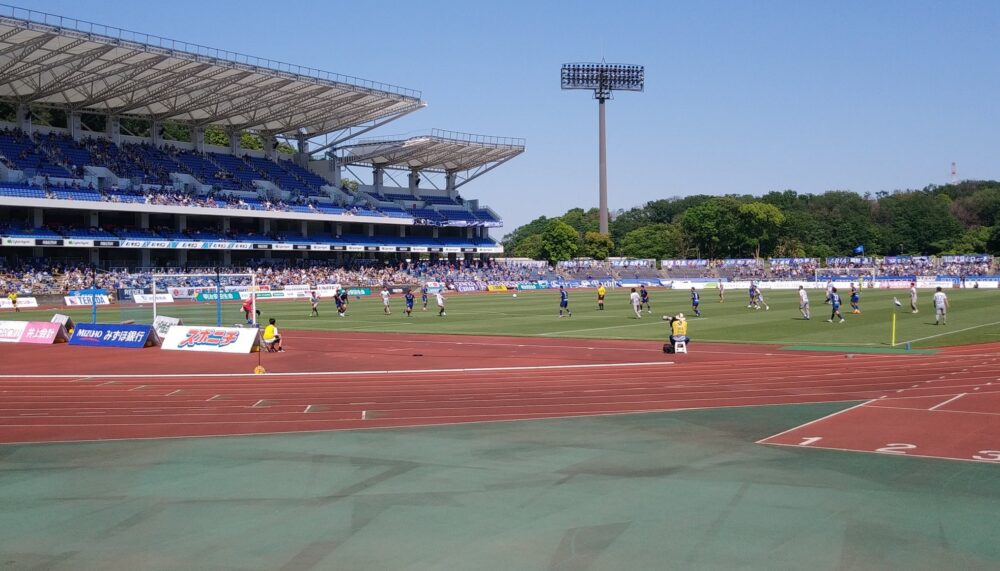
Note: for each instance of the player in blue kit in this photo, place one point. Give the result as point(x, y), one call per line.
point(855, 300)
point(408, 297)
point(695, 301)
point(423, 296)
point(835, 303)
point(564, 302)
point(644, 299)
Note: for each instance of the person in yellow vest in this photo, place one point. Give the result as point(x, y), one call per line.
point(679, 330)
point(12, 296)
point(601, 292)
point(271, 337)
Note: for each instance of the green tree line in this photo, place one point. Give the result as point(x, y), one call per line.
point(958, 218)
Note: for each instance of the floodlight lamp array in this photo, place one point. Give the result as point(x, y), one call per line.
point(603, 78)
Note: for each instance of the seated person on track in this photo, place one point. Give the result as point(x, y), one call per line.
point(272, 338)
point(678, 330)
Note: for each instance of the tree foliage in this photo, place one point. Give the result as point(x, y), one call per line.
point(959, 218)
point(559, 242)
point(597, 246)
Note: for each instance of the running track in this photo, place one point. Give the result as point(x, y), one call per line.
point(334, 381)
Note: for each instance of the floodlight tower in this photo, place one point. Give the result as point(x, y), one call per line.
point(603, 78)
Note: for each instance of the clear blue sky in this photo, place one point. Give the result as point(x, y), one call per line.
point(741, 97)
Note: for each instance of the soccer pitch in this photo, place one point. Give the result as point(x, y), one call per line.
point(974, 317)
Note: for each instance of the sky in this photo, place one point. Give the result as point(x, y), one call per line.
point(740, 97)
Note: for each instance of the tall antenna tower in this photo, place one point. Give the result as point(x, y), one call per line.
point(603, 78)
point(954, 172)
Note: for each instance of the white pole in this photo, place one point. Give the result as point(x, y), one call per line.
point(253, 297)
point(154, 298)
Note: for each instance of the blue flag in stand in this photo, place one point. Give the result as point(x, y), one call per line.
point(860, 249)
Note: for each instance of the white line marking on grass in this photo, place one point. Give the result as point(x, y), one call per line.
point(348, 373)
point(594, 329)
point(811, 422)
point(952, 399)
point(950, 332)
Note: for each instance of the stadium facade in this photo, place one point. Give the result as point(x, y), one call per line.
point(113, 198)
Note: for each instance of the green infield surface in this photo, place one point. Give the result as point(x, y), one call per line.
point(974, 317)
point(681, 490)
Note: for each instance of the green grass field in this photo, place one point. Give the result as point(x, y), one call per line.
point(974, 317)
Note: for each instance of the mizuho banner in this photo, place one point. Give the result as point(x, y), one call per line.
point(113, 335)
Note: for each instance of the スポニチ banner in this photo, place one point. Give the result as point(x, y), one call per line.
point(212, 339)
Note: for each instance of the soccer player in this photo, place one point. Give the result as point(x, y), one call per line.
point(337, 299)
point(913, 298)
point(752, 292)
point(601, 292)
point(314, 300)
point(804, 303)
point(440, 302)
point(271, 337)
point(564, 302)
point(12, 296)
point(644, 299)
point(408, 297)
point(835, 303)
point(248, 311)
point(385, 301)
point(722, 292)
point(636, 303)
point(829, 290)
point(695, 301)
point(940, 307)
point(855, 300)
point(760, 300)
point(423, 296)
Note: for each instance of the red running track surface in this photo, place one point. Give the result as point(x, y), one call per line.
point(952, 415)
point(332, 381)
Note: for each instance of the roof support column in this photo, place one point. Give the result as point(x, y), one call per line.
point(156, 133)
point(302, 157)
point(234, 141)
point(198, 139)
point(114, 129)
point(335, 169)
point(450, 179)
point(24, 117)
point(378, 175)
point(73, 122)
point(414, 180)
point(270, 146)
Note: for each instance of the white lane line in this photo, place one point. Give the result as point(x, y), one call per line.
point(793, 429)
point(951, 332)
point(349, 373)
point(952, 399)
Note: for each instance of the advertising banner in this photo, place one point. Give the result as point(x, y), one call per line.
point(64, 320)
point(358, 291)
point(87, 300)
point(44, 333)
point(21, 302)
point(496, 288)
point(113, 335)
point(10, 331)
point(148, 298)
point(525, 286)
point(212, 339)
point(17, 241)
point(214, 295)
point(128, 293)
point(298, 287)
point(162, 324)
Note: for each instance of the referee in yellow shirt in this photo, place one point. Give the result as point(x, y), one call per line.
point(601, 292)
point(12, 296)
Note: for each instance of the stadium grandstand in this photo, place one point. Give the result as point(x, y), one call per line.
point(88, 191)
